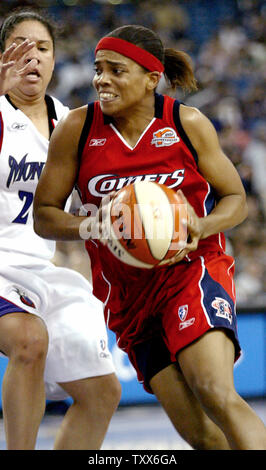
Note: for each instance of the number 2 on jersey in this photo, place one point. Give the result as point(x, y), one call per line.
point(22, 217)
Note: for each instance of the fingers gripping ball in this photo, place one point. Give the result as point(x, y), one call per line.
point(147, 224)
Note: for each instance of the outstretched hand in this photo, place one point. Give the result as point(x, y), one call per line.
point(13, 67)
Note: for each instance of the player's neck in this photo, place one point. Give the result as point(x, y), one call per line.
point(32, 106)
point(130, 132)
point(132, 125)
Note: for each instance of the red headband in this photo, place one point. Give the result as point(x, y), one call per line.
point(139, 55)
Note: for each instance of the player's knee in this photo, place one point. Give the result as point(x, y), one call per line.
point(216, 398)
point(203, 434)
point(203, 442)
point(30, 345)
point(111, 392)
point(207, 438)
point(101, 395)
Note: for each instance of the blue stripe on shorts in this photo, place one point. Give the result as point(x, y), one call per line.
point(8, 307)
point(217, 302)
point(219, 307)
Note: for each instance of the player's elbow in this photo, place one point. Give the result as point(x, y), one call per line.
point(243, 209)
point(37, 226)
point(39, 222)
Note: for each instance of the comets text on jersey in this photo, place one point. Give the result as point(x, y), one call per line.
point(101, 185)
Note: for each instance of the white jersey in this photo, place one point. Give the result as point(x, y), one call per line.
point(29, 282)
point(23, 153)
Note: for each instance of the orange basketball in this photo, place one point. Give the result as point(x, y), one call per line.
point(147, 224)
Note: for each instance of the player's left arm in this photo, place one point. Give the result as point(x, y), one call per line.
point(219, 171)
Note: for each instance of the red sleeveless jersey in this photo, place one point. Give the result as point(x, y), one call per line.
point(163, 154)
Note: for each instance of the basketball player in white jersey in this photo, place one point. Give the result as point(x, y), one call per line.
point(51, 327)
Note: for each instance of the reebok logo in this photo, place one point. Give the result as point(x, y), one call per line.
point(97, 142)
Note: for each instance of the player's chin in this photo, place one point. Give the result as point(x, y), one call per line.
point(31, 90)
point(110, 108)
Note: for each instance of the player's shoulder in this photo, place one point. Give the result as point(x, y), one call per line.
point(5, 106)
point(185, 114)
point(195, 122)
point(191, 115)
point(76, 117)
point(72, 124)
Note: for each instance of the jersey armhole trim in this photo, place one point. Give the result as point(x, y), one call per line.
point(181, 131)
point(86, 129)
point(51, 112)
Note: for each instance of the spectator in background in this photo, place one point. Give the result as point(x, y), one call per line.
point(254, 155)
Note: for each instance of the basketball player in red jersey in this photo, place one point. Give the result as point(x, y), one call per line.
point(177, 323)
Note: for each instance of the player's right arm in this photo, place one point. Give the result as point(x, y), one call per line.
point(57, 181)
point(13, 67)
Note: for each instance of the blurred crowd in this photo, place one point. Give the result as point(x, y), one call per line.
point(226, 42)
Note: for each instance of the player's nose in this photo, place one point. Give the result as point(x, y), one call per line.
point(32, 54)
point(104, 77)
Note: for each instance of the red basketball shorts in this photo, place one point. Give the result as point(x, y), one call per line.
point(202, 298)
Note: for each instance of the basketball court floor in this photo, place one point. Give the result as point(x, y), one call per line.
point(141, 427)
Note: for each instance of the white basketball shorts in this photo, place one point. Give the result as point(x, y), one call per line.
point(78, 342)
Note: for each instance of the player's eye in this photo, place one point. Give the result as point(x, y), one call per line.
point(97, 70)
point(117, 70)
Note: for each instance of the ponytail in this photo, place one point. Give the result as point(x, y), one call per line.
point(178, 70)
